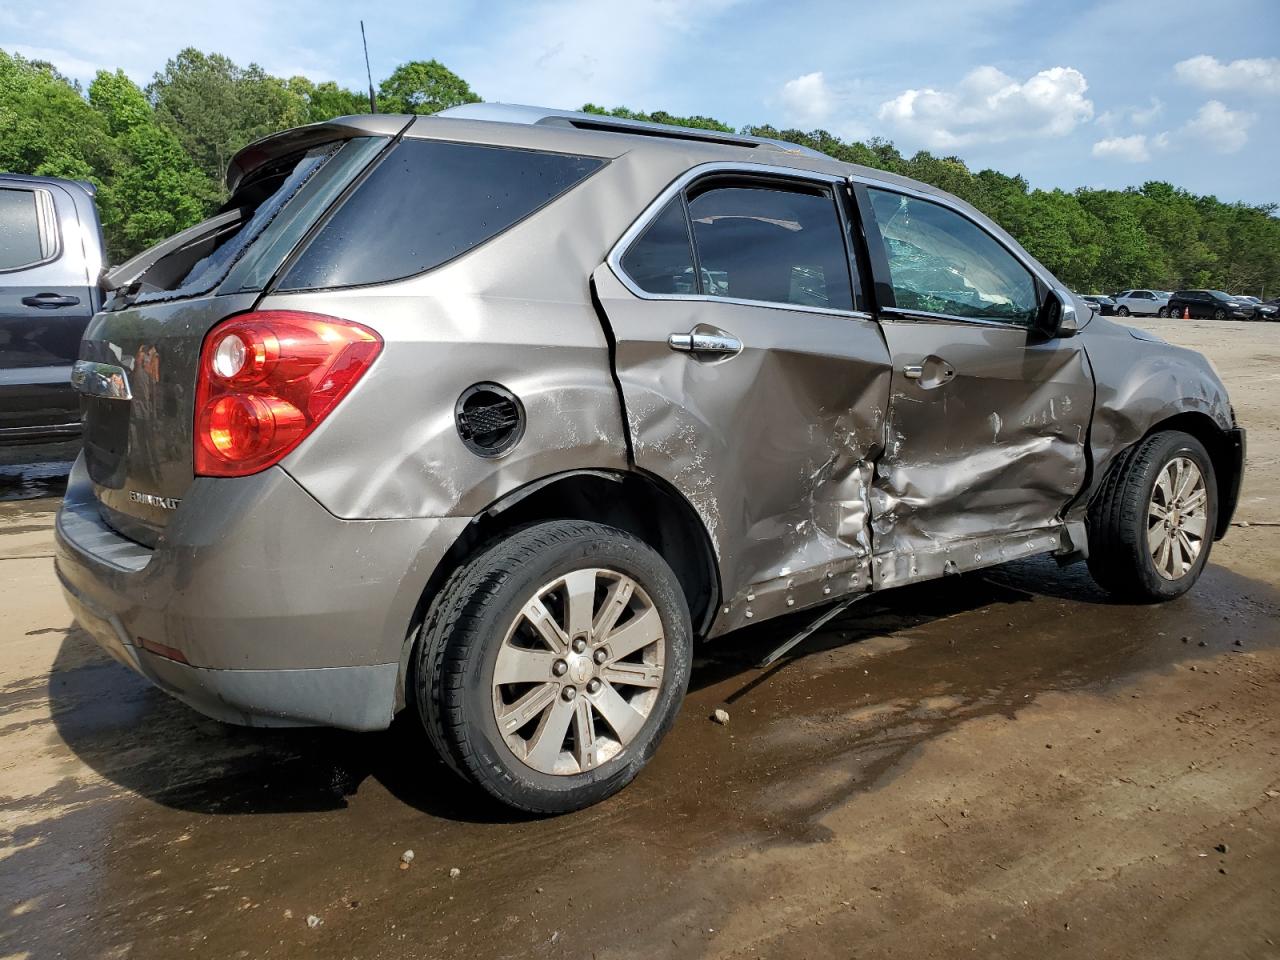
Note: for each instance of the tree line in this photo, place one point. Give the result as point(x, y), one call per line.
point(158, 156)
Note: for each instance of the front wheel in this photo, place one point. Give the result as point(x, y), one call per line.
point(1163, 313)
point(551, 666)
point(1153, 521)
point(1219, 314)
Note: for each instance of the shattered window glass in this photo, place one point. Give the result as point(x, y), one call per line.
point(661, 259)
point(773, 245)
point(941, 262)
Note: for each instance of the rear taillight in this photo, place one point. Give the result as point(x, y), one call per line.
point(266, 379)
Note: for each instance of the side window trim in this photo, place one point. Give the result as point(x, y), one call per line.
point(48, 233)
point(880, 260)
point(728, 170)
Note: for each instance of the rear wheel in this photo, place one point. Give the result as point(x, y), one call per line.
point(550, 669)
point(1152, 523)
point(1123, 311)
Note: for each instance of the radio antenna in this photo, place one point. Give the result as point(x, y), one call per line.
point(373, 102)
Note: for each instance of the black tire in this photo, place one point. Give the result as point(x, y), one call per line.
point(1163, 312)
point(1219, 314)
point(1123, 311)
point(466, 625)
point(1119, 559)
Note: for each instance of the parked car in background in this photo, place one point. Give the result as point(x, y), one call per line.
point(1269, 310)
point(1210, 305)
point(496, 412)
point(51, 259)
point(1142, 303)
point(1106, 306)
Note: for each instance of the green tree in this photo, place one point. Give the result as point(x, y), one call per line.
point(660, 116)
point(47, 128)
point(328, 100)
point(423, 86)
point(214, 107)
point(155, 189)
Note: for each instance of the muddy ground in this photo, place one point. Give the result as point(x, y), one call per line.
point(1003, 765)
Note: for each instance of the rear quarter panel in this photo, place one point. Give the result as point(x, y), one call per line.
point(516, 311)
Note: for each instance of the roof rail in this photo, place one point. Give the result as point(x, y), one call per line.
point(520, 113)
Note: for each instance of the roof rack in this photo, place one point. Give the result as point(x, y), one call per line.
point(520, 113)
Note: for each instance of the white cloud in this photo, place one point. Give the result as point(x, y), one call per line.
point(807, 100)
point(1152, 112)
point(1255, 75)
point(1137, 116)
point(1131, 149)
point(1219, 129)
point(989, 106)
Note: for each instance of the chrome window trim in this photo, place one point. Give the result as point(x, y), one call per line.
point(746, 168)
point(903, 313)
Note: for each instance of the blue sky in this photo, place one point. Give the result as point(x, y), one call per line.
point(1101, 93)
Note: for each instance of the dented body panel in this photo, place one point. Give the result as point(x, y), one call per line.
point(1143, 381)
point(986, 445)
point(834, 451)
point(774, 447)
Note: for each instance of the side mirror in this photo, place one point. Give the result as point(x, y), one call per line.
point(1057, 317)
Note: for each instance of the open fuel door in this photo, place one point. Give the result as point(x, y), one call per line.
point(753, 383)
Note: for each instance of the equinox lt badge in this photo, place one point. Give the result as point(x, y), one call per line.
point(151, 500)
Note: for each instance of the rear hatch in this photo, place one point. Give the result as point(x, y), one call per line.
point(138, 439)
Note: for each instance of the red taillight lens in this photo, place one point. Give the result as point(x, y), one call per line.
point(266, 379)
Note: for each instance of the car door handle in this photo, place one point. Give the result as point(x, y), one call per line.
point(50, 301)
point(705, 344)
point(933, 372)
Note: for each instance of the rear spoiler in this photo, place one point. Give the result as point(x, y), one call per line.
point(301, 138)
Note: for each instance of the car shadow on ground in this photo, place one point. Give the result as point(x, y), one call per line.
point(140, 739)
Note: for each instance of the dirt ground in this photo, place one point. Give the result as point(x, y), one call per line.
point(1004, 765)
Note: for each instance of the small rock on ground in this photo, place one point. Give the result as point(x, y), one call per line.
point(720, 716)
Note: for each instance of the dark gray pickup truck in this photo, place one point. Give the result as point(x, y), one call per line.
point(51, 260)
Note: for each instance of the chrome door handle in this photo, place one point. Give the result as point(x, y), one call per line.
point(932, 373)
point(709, 344)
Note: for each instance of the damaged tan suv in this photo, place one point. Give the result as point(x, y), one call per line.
point(492, 414)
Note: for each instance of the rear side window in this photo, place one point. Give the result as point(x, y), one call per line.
point(428, 202)
point(778, 246)
point(941, 262)
point(661, 259)
point(28, 229)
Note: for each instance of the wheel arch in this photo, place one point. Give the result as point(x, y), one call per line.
point(631, 500)
point(1225, 453)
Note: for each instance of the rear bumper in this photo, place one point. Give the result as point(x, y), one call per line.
point(284, 614)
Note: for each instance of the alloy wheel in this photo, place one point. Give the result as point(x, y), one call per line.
point(1177, 518)
point(579, 671)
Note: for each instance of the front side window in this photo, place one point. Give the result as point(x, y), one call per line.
point(427, 202)
point(772, 245)
point(941, 262)
point(28, 232)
